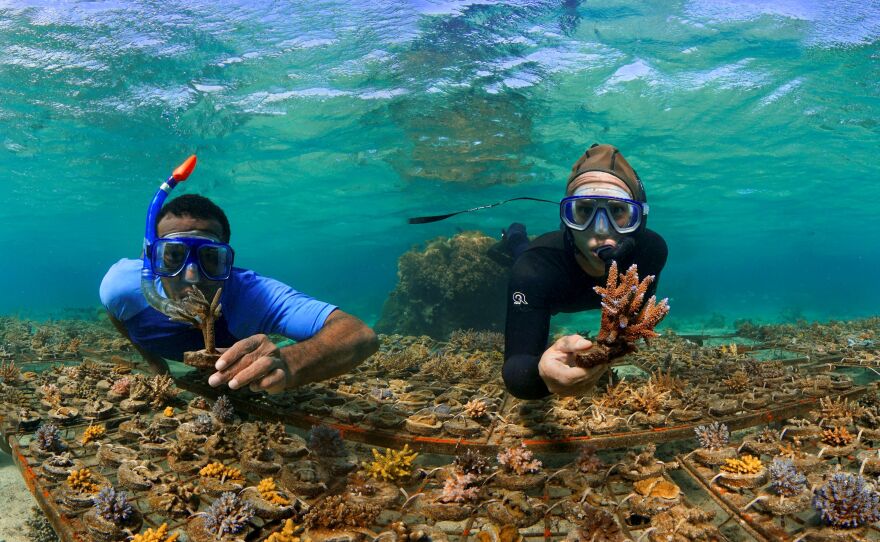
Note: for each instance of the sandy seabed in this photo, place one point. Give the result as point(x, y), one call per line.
point(15, 502)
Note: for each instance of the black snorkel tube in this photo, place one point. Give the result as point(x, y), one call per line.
point(148, 277)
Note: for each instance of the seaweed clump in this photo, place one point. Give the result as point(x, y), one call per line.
point(336, 512)
point(451, 284)
point(847, 501)
point(228, 515)
point(785, 480)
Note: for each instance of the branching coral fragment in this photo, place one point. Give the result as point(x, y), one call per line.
point(747, 464)
point(394, 465)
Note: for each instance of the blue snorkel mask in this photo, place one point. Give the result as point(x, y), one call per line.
point(168, 257)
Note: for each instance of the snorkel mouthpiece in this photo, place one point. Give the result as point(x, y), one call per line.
point(148, 277)
point(608, 253)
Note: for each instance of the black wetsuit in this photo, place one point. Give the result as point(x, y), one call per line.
point(547, 280)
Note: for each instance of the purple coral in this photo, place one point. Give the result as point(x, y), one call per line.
point(325, 441)
point(588, 461)
point(847, 502)
point(228, 515)
point(713, 436)
point(785, 480)
point(49, 438)
point(519, 459)
point(222, 410)
point(112, 506)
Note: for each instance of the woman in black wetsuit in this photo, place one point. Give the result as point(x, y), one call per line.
point(604, 215)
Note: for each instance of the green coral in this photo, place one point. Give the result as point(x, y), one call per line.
point(450, 284)
point(392, 466)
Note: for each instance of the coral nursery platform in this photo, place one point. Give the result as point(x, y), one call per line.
point(766, 435)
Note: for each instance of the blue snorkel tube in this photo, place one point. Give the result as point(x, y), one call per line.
point(148, 277)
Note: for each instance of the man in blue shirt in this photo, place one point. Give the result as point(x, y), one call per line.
point(329, 341)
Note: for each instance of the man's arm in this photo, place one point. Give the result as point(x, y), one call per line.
point(157, 364)
point(339, 346)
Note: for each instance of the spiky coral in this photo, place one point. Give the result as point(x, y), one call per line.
point(738, 382)
point(394, 465)
point(837, 436)
point(49, 438)
point(113, 505)
point(596, 524)
point(162, 390)
point(837, 409)
point(9, 373)
point(471, 462)
point(223, 410)
point(336, 511)
point(475, 409)
point(847, 501)
point(460, 488)
point(194, 309)
point(625, 317)
point(647, 398)
point(202, 425)
point(228, 515)
point(785, 480)
point(222, 472)
point(159, 535)
point(269, 491)
point(747, 464)
point(713, 436)
point(519, 460)
point(93, 432)
point(81, 480)
point(326, 441)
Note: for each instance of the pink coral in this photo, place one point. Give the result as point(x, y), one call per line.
point(121, 386)
point(460, 488)
point(519, 459)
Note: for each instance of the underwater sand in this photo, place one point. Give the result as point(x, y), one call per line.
point(15, 502)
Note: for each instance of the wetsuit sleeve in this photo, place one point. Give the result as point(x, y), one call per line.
point(120, 290)
point(527, 327)
point(264, 305)
point(651, 257)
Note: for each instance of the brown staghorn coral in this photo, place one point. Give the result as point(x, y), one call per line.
point(161, 391)
point(647, 398)
point(837, 436)
point(625, 316)
point(738, 382)
point(196, 310)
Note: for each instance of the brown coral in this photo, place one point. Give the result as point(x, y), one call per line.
point(738, 382)
point(335, 512)
point(195, 309)
point(837, 436)
point(625, 316)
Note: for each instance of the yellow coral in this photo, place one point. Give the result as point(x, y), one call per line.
point(93, 432)
point(168, 412)
point(81, 480)
point(269, 491)
point(394, 465)
point(284, 535)
point(221, 471)
point(159, 535)
point(748, 464)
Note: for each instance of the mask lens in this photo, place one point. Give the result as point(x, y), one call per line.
point(216, 261)
point(621, 212)
point(169, 257)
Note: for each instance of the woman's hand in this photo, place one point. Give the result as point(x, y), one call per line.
point(255, 361)
point(559, 370)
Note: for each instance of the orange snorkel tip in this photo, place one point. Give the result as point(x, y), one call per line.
point(184, 169)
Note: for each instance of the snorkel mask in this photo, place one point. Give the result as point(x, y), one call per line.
point(151, 242)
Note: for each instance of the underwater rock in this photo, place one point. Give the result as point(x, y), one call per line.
point(450, 284)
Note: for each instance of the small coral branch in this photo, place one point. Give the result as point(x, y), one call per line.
point(197, 311)
point(626, 317)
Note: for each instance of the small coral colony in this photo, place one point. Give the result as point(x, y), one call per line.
point(439, 452)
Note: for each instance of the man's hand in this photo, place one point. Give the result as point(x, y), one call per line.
point(560, 372)
point(254, 361)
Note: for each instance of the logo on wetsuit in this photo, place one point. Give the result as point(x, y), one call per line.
point(519, 298)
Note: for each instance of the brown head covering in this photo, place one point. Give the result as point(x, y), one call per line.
point(608, 159)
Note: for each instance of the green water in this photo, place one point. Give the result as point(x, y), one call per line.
point(321, 126)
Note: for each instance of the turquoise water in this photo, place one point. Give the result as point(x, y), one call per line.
point(321, 126)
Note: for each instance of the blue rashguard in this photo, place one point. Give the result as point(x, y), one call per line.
point(251, 304)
